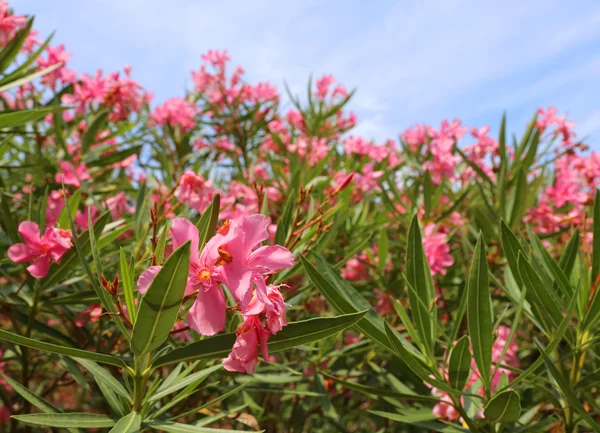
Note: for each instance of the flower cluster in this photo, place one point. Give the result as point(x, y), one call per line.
point(38, 249)
point(234, 258)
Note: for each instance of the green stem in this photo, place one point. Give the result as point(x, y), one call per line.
point(140, 380)
point(138, 384)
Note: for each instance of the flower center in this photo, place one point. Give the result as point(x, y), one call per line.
point(204, 275)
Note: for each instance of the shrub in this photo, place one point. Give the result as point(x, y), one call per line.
point(222, 260)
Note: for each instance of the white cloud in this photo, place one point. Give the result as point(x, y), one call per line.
point(411, 61)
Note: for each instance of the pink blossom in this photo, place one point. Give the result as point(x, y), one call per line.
point(71, 175)
point(81, 218)
point(40, 249)
point(9, 24)
point(118, 206)
point(272, 306)
point(207, 315)
point(437, 250)
point(323, 84)
point(54, 206)
point(195, 191)
point(250, 262)
point(56, 55)
point(176, 112)
point(244, 355)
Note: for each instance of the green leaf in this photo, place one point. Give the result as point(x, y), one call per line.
point(29, 77)
point(504, 407)
point(459, 368)
point(479, 312)
point(502, 139)
point(425, 423)
point(159, 253)
point(345, 299)
point(161, 303)
point(284, 223)
point(128, 424)
point(114, 157)
point(567, 260)
point(105, 299)
point(19, 118)
point(60, 350)
point(383, 250)
point(127, 281)
point(405, 319)
point(553, 344)
point(35, 400)
point(377, 391)
point(215, 400)
point(566, 389)
point(418, 276)
point(8, 220)
point(292, 335)
point(174, 427)
point(101, 375)
point(199, 376)
point(412, 362)
point(207, 226)
point(550, 265)
point(519, 202)
point(74, 200)
point(549, 308)
point(95, 125)
point(65, 420)
point(511, 247)
point(526, 138)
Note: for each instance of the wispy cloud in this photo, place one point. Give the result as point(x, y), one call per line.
point(411, 61)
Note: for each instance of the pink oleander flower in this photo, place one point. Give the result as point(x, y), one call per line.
point(176, 112)
point(56, 55)
point(40, 249)
point(437, 250)
point(244, 355)
point(9, 24)
point(91, 314)
point(195, 191)
point(323, 84)
point(273, 307)
point(118, 206)
point(229, 258)
point(70, 175)
point(81, 218)
point(54, 206)
point(250, 262)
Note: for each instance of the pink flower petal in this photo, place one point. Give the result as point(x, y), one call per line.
point(207, 315)
point(272, 258)
point(19, 253)
point(30, 232)
point(146, 278)
point(39, 268)
point(182, 230)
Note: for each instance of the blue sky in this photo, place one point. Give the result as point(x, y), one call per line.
point(411, 61)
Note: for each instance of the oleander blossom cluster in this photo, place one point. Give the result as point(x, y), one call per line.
point(40, 250)
point(234, 258)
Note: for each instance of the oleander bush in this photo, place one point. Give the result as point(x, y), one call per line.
point(235, 259)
